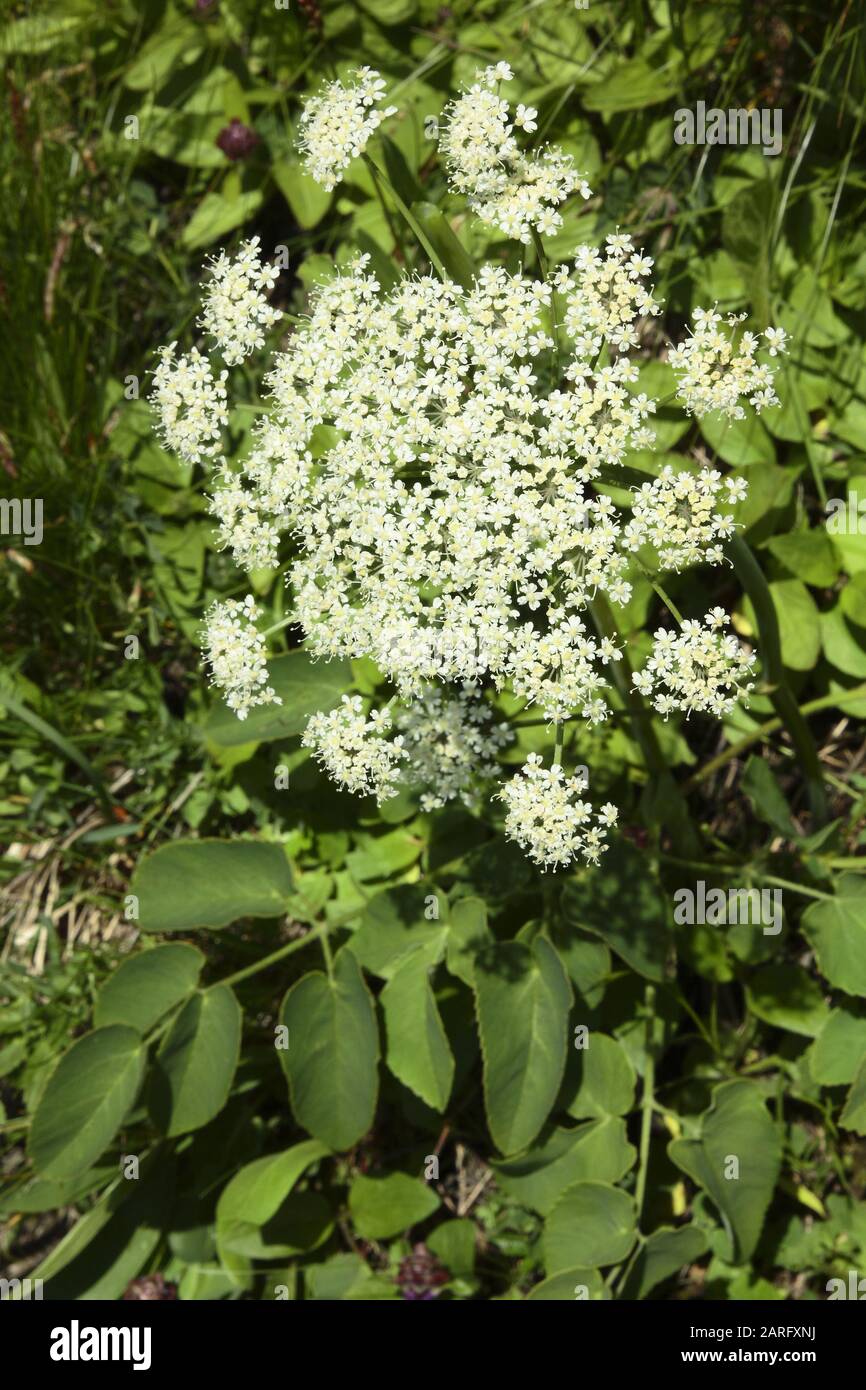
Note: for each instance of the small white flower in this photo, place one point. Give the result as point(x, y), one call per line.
point(525, 116)
point(237, 654)
point(696, 668)
point(337, 123)
point(191, 404)
point(549, 818)
point(235, 311)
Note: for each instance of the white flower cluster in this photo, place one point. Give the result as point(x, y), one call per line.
point(549, 819)
point(716, 369)
point(451, 745)
point(433, 455)
point(354, 748)
point(447, 533)
point(235, 310)
point(445, 746)
point(678, 515)
point(605, 298)
point(511, 190)
point(237, 655)
point(337, 123)
point(190, 403)
point(697, 668)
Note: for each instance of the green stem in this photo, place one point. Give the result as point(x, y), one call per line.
point(673, 809)
point(289, 949)
point(751, 576)
point(411, 221)
point(646, 1103)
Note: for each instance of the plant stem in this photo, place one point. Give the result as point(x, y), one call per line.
point(289, 949)
point(646, 1103)
point(751, 577)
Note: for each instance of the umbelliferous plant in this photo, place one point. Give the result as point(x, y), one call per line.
point(437, 453)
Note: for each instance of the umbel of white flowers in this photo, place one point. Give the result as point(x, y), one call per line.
point(450, 531)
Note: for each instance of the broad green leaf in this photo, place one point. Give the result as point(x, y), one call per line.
point(808, 555)
point(537, 1178)
point(522, 999)
point(839, 1049)
point(37, 33)
point(736, 1161)
point(41, 1194)
point(742, 443)
point(176, 42)
point(331, 1060)
point(787, 997)
point(799, 624)
point(633, 85)
point(417, 1052)
point(382, 1207)
point(88, 1094)
point(113, 1241)
point(664, 1252)
point(336, 1278)
point(592, 1224)
point(147, 985)
point(308, 200)
point(599, 1079)
point(454, 1244)
point(768, 800)
point(252, 1213)
point(836, 930)
point(841, 647)
point(468, 935)
point(196, 1062)
point(854, 1114)
point(304, 687)
point(210, 883)
point(396, 922)
point(217, 215)
point(570, 1285)
point(634, 924)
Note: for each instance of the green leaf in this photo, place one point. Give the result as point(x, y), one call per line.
point(634, 924)
point(37, 33)
point(251, 1213)
point(454, 1244)
point(522, 1001)
point(736, 1161)
point(599, 1079)
point(304, 687)
point(761, 786)
point(332, 1053)
point(591, 1224)
point(307, 199)
point(839, 1049)
point(663, 1253)
point(438, 235)
point(147, 985)
point(633, 85)
point(808, 555)
point(382, 1207)
point(538, 1178)
point(841, 647)
point(401, 177)
point(216, 215)
point(836, 930)
point(742, 443)
point(210, 883)
point(854, 1114)
point(569, 1285)
point(799, 624)
point(394, 923)
point(418, 1052)
point(113, 1241)
point(468, 936)
point(787, 997)
point(84, 1103)
point(196, 1062)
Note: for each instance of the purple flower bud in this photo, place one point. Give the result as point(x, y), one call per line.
point(237, 140)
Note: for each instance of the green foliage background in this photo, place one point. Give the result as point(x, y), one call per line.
point(441, 1023)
